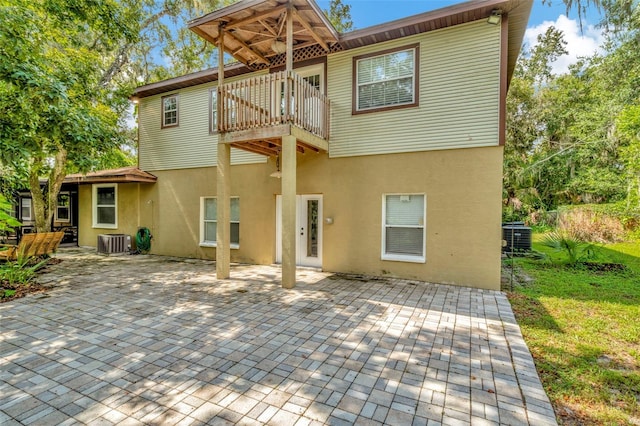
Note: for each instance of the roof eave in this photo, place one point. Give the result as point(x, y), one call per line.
point(518, 11)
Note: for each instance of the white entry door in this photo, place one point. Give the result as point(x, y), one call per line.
point(308, 228)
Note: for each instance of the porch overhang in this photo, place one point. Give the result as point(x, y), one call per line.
point(121, 175)
point(255, 31)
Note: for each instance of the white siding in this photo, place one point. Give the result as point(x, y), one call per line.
point(189, 144)
point(458, 104)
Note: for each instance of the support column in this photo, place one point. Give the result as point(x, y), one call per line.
point(223, 183)
point(223, 230)
point(289, 213)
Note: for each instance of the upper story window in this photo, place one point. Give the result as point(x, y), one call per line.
point(386, 80)
point(213, 107)
point(105, 206)
point(170, 111)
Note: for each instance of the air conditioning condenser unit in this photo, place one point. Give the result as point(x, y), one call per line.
point(114, 243)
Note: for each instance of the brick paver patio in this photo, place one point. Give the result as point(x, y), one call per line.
point(156, 340)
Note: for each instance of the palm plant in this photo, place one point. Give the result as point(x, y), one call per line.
point(576, 249)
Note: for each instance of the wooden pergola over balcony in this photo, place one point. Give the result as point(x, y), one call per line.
point(252, 114)
point(277, 114)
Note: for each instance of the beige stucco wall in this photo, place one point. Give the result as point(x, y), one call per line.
point(171, 209)
point(463, 192)
point(127, 219)
point(462, 187)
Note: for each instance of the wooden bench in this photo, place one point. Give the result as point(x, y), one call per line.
point(39, 244)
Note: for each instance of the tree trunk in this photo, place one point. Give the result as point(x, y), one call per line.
point(45, 200)
point(38, 196)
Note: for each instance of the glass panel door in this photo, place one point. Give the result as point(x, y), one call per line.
point(310, 230)
point(308, 227)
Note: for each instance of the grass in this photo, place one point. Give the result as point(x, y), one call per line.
point(583, 330)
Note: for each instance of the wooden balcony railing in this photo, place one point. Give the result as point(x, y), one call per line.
point(260, 102)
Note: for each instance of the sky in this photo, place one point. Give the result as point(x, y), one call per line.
point(365, 13)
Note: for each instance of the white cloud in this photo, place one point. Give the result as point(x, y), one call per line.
point(579, 43)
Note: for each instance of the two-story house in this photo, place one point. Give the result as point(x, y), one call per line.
point(377, 151)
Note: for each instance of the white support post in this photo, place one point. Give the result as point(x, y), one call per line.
point(223, 183)
point(289, 213)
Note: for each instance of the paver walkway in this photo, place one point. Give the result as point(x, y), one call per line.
point(157, 340)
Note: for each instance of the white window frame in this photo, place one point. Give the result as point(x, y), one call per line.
point(202, 222)
point(404, 257)
point(165, 111)
point(94, 202)
point(29, 204)
point(304, 73)
point(213, 110)
point(414, 75)
point(57, 218)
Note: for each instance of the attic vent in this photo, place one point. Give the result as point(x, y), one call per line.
point(114, 243)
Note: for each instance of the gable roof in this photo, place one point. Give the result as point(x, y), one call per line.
point(515, 11)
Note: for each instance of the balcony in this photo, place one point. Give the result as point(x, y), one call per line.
point(253, 114)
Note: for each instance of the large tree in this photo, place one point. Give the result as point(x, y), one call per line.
point(571, 137)
point(53, 115)
point(67, 68)
point(339, 15)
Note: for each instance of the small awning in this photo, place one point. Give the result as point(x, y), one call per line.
point(255, 34)
point(130, 174)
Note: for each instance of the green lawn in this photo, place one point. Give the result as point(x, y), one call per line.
point(583, 329)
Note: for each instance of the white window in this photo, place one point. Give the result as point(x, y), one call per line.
point(386, 80)
point(170, 111)
point(105, 206)
point(313, 74)
point(209, 223)
point(25, 209)
point(213, 99)
point(63, 211)
point(403, 227)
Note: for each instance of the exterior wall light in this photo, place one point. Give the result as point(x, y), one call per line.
point(277, 174)
point(495, 17)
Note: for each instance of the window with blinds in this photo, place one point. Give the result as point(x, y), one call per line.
point(386, 80)
point(209, 222)
point(403, 234)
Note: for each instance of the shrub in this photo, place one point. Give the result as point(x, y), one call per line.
point(7, 222)
point(21, 271)
point(575, 248)
point(589, 224)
